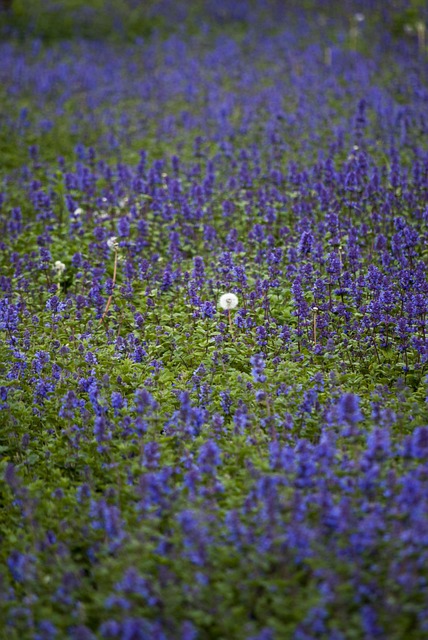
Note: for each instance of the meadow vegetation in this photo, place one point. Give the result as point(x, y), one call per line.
point(213, 321)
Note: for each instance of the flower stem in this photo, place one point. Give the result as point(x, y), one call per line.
point(230, 321)
point(110, 298)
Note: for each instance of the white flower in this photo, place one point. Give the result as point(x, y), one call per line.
point(228, 301)
point(112, 243)
point(359, 17)
point(59, 267)
point(78, 212)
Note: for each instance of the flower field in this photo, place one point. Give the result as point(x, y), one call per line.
point(214, 324)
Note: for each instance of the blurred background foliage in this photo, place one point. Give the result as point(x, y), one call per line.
point(119, 20)
point(90, 19)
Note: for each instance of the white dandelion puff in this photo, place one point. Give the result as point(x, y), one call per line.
point(112, 243)
point(228, 301)
point(59, 267)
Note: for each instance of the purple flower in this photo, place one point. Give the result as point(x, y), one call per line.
point(41, 358)
point(81, 632)
point(419, 443)
point(90, 358)
point(378, 444)
point(107, 518)
point(207, 310)
point(117, 402)
point(46, 631)
point(144, 401)
point(265, 634)
point(133, 583)
point(21, 566)
point(348, 409)
point(188, 631)
point(225, 401)
point(209, 456)
point(198, 272)
point(151, 455)
point(240, 419)
point(123, 227)
point(258, 367)
point(70, 402)
point(110, 629)
point(305, 244)
point(83, 493)
point(9, 316)
point(54, 304)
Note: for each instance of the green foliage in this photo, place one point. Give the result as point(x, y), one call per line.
point(93, 19)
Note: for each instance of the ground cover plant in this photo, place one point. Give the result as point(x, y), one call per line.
point(213, 324)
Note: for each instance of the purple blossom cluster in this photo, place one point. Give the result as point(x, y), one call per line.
point(338, 526)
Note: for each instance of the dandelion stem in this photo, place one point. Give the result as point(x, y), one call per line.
point(230, 321)
point(110, 298)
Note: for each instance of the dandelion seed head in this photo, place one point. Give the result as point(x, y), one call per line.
point(59, 267)
point(112, 243)
point(228, 301)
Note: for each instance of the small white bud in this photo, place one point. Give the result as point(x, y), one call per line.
point(112, 243)
point(59, 267)
point(359, 17)
point(228, 301)
point(78, 212)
